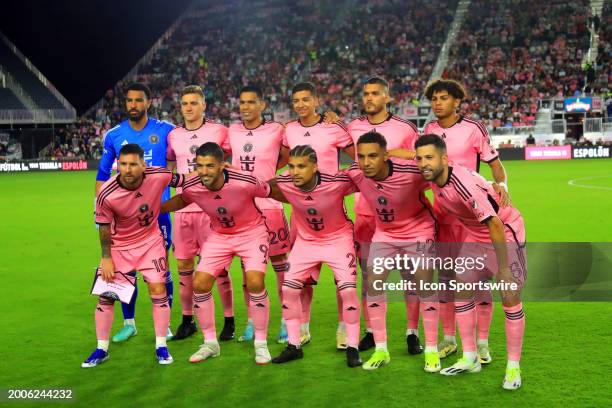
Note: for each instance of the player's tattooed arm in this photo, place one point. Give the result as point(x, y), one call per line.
point(275, 192)
point(402, 154)
point(498, 238)
point(174, 204)
point(283, 157)
point(499, 175)
point(106, 264)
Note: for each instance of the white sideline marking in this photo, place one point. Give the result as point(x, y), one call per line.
point(575, 182)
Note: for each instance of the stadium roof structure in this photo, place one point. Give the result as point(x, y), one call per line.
point(26, 95)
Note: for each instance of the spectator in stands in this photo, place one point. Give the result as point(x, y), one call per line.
point(530, 140)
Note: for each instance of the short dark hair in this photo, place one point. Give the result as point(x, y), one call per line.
point(210, 149)
point(431, 139)
point(454, 88)
point(251, 88)
point(139, 86)
point(378, 81)
point(304, 151)
point(373, 137)
point(304, 86)
point(132, 148)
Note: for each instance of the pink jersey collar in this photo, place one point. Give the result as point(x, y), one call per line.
point(389, 116)
point(321, 118)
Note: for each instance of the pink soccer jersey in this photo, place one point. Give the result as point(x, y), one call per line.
point(399, 133)
point(255, 151)
point(319, 214)
point(326, 140)
point(467, 142)
point(468, 197)
point(401, 210)
point(183, 143)
point(231, 209)
point(133, 214)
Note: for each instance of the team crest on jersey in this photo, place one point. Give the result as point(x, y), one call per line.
point(382, 200)
point(248, 147)
point(473, 204)
point(312, 211)
point(153, 139)
point(144, 208)
point(193, 149)
point(221, 210)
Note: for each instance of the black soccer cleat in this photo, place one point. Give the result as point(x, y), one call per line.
point(228, 329)
point(367, 342)
point(186, 328)
point(352, 357)
point(414, 346)
point(290, 353)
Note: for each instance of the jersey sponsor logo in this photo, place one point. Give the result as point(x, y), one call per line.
point(247, 163)
point(193, 149)
point(226, 222)
point(153, 138)
point(147, 216)
point(315, 223)
point(248, 147)
point(386, 215)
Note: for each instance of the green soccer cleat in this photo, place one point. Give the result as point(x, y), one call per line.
point(304, 338)
point(484, 355)
point(512, 381)
point(446, 348)
point(432, 362)
point(463, 365)
point(125, 333)
point(378, 359)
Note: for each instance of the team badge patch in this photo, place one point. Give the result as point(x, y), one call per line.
point(154, 139)
point(382, 200)
point(247, 147)
point(193, 149)
point(312, 211)
point(144, 208)
point(221, 210)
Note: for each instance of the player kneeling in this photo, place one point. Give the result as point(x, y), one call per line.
point(127, 208)
point(324, 234)
point(496, 235)
point(238, 229)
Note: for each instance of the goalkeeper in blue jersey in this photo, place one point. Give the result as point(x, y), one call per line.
point(151, 135)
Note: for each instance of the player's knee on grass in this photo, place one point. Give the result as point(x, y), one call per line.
point(255, 281)
point(185, 264)
point(203, 282)
point(157, 288)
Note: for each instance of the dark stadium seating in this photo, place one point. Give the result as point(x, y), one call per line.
point(30, 84)
point(8, 100)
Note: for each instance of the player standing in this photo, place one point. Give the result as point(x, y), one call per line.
point(191, 224)
point(398, 133)
point(150, 134)
point(324, 234)
point(257, 148)
point(238, 229)
point(327, 139)
point(492, 229)
point(404, 223)
point(127, 210)
point(468, 143)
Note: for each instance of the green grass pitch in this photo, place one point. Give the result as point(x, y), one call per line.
point(50, 247)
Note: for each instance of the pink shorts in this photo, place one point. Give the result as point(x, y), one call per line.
point(307, 257)
point(190, 231)
point(219, 250)
point(149, 259)
point(278, 231)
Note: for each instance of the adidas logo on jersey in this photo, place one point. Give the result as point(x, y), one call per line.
point(138, 195)
point(217, 197)
point(306, 134)
point(379, 187)
point(250, 133)
point(124, 142)
point(194, 136)
point(309, 198)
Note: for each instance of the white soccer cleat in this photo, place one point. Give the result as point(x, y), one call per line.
point(262, 354)
point(484, 354)
point(463, 365)
point(512, 381)
point(206, 350)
